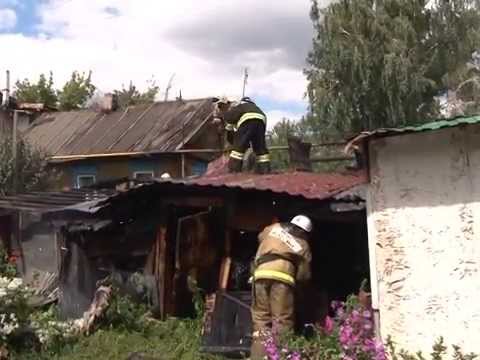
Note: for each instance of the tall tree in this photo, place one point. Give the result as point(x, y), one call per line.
point(132, 96)
point(40, 92)
point(76, 92)
point(382, 63)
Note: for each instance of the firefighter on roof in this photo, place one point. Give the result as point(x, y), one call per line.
point(245, 124)
point(282, 262)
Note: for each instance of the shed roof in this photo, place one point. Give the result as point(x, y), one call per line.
point(159, 127)
point(312, 186)
point(42, 202)
point(431, 126)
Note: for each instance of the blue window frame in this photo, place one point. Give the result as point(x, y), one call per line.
point(84, 175)
point(199, 168)
point(143, 170)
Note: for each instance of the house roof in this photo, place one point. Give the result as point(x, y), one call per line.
point(159, 127)
point(431, 126)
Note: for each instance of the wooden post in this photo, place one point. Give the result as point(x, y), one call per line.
point(14, 150)
point(160, 268)
point(183, 165)
point(226, 261)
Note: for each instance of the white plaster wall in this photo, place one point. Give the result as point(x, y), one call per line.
point(425, 218)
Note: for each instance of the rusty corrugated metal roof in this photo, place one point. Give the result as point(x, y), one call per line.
point(162, 127)
point(313, 186)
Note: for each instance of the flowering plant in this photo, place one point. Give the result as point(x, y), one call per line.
point(348, 335)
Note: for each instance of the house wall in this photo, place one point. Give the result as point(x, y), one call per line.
point(110, 169)
point(426, 238)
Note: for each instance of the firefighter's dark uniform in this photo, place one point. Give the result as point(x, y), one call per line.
point(283, 259)
point(247, 122)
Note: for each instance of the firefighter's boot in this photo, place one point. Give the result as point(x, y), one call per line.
point(234, 165)
point(263, 168)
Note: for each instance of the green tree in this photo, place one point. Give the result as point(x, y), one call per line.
point(132, 96)
point(40, 92)
point(382, 63)
point(76, 92)
point(278, 136)
point(31, 168)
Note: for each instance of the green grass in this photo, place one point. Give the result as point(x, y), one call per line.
point(169, 340)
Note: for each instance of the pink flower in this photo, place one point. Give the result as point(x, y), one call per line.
point(367, 326)
point(329, 325)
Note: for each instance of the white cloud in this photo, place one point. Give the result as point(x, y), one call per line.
point(205, 44)
point(275, 116)
point(8, 19)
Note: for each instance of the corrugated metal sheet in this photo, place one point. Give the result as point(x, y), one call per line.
point(312, 186)
point(162, 127)
point(435, 125)
point(315, 186)
point(50, 201)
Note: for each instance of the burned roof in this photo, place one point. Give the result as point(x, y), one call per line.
point(159, 127)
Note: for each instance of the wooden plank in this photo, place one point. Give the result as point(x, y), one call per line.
point(226, 262)
point(161, 256)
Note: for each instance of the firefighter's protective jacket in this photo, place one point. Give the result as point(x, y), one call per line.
point(241, 113)
point(294, 256)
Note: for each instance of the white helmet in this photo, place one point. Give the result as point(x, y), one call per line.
point(302, 222)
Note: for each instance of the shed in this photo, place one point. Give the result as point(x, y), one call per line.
point(202, 232)
point(424, 234)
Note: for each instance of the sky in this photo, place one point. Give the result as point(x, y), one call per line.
point(206, 44)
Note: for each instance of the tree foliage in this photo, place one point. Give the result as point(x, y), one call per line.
point(76, 92)
point(40, 92)
point(132, 96)
point(278, 136)
point(383, 63)
point(31, 168)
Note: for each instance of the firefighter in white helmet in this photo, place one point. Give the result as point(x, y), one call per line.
point(283, 260)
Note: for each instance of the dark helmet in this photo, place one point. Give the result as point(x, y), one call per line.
point(247, 99)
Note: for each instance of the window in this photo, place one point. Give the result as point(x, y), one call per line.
point(85, 181)
point(143, 175)
point(199, 167)
point(83, 174)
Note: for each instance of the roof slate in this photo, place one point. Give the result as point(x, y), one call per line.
point(158, 127)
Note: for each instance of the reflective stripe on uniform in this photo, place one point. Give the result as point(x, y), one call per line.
point(274, 275)
point(236, 155)
point(230, 127)
point(263, 158)
point(250, 116)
